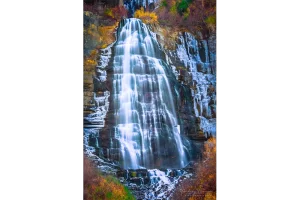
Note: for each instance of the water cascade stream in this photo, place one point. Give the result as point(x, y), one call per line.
point(146, 126)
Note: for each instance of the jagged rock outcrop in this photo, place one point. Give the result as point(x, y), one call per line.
point(193, 59)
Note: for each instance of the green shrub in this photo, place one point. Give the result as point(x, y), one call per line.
point(211, 20)
point(164, 3)
point(186, 14)
point(182, 6)
point(108, 12)
point(173, 9)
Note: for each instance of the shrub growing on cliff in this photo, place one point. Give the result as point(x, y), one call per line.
point(146, 17)
point(182, 6)
point(164, 3)
point(116, 13)
point(211, 22)
point(203, 186)
point(108, 12)
point(96, 34)
point(97, 186)
point(90, 61)
point(120, 12)
point(191, 15)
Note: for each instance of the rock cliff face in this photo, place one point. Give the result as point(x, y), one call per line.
point(96, 94)
point(189, 64)
point(191, 59)
point(97, 36)
point(195, 63)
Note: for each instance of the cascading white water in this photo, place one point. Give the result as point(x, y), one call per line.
point(132, 5)
point(146, 125)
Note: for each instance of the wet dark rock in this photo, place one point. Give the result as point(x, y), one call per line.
point(194, 93)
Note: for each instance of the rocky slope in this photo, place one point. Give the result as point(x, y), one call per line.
point(193, 59)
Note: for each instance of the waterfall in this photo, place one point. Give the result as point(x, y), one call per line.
point(132, 5)
point(146, 126)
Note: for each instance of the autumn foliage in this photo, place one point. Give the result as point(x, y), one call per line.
point(193, 15)
point(90, 61)
point(203, 185)
point(146, 17)
point(99, 27)
point(101, 187)
point(116, 13)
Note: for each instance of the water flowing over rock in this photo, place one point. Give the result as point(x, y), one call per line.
point(147, 106)
point(146, 130)
point(153, 183)
point(132, 5)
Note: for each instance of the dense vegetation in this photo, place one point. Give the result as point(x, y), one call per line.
point(98, 34)
point(97, 186)
point(146, 17)
point(203, 185)
point(193, 15)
